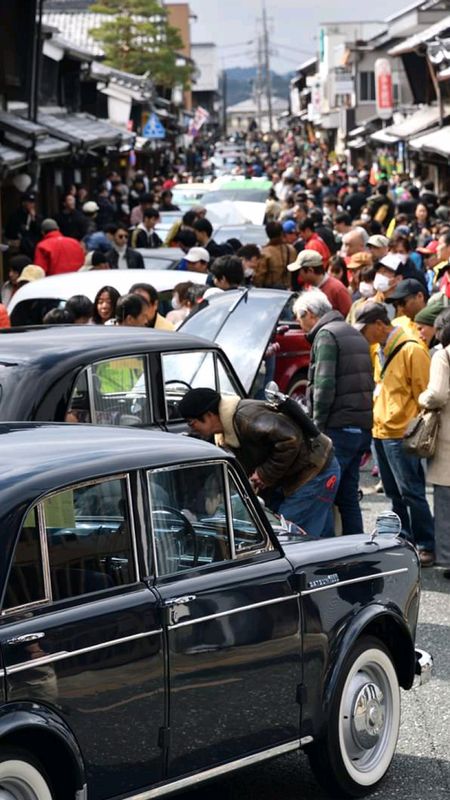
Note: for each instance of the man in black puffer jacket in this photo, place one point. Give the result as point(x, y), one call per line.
point(340, 393)
point(274, 452)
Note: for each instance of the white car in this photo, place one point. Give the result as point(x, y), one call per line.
point(32, 301)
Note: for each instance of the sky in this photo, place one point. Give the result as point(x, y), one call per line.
point(293, 26)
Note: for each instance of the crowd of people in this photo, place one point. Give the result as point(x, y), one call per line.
point(369, 259)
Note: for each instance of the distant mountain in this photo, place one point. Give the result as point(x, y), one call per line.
point(240, 81)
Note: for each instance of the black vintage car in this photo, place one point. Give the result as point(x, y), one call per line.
point(106, 375)
point(155, 632)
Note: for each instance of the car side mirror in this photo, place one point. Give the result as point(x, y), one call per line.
point(388, 522)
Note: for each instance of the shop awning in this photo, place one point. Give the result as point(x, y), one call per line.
point(426, 35)
point(82, 130)
point(434, 142)
point(356, 144)
point(11, 159)
point(426, 117)
point(384, 136)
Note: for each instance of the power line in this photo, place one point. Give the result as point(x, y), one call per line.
point(294, 49)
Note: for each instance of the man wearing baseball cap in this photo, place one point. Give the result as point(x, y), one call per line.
point(408, 298)
point(378, 246)
point(197, 259)
point(290, 232)
point(311, 271)
point(275, 453)
point(402, 369)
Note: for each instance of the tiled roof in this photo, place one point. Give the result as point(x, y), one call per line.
point(76, 27)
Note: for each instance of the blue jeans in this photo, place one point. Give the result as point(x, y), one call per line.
point(403, 481)
point(350, 444)
point(311, 506)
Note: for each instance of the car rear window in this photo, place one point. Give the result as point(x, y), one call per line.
point(32, 312)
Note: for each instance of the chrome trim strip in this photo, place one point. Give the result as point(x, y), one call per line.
point(132, 528)
point(63, 654)
point(91, 393)
point(222, 769)
point(234, 611)
point(354, 580)
point(44, 552)
point(229, 511)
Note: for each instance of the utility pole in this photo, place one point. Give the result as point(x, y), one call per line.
point(267, 66)
point(224, 101)
point(259, 79)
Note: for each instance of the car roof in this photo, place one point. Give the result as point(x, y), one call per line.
point(86, 343)
point(61, 287)
point(36, 458)
point(171, 253)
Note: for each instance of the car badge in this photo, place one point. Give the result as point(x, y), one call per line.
point(324, 580)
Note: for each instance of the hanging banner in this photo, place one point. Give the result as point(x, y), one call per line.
point(200, 117)
point(383, 88)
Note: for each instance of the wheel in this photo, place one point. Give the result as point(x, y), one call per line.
point(21, 778)
point(362, 731)
point(298, 385)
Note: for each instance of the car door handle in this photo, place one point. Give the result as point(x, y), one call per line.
point(178, 601)
point(173, 609)
point(26, 638)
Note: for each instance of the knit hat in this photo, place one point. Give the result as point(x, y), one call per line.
point(429, 314)
point(197, 402)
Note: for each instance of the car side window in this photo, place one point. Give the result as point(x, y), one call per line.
point(247, 535)
point(184, 371)
point(26, 579)
point(120, 391)
point(89, 540)
point(189, 521)
point(226, 383)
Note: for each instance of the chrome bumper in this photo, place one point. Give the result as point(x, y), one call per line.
point(424, 667)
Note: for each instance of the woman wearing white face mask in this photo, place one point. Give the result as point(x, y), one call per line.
point(366, 291)
point(181, 304)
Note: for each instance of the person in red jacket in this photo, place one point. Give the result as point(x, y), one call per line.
point(310, 268)
point(313, 241)
point(5, 322)
point(56, 253)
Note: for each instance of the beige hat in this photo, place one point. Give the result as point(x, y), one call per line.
point(378, 241)
point(31, 273)
point(307, 258)
point(359, 260)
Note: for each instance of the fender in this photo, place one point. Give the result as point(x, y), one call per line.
point(20, 717)
point(373, 620)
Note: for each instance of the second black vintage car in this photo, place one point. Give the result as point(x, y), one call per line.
point(155, 632)
point(106, 375)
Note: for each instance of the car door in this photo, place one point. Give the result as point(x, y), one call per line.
point(232, 619)
point(81, 635)
point(173, 373)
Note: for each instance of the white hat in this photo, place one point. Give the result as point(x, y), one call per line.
point(197, 254)
point(378, 240)
point(91, 207)
point(390, 261)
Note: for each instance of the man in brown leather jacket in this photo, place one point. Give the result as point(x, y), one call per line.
point(274, 453)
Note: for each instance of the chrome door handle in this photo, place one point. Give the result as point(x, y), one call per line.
point(27, 637)
point(178, 601)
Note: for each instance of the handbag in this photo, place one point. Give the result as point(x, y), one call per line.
point(421, 434)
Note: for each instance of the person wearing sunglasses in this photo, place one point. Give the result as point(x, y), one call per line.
point(121, 256)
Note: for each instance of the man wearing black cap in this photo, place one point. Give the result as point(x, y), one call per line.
point(408, 298)
point(23, 228)
point(401, 374)
point(274, 452)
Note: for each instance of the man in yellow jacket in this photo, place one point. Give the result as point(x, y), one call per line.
point(401, 373)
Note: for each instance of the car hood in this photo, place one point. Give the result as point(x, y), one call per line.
point(242, 322)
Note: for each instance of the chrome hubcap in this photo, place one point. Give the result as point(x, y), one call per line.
point(16, 789)
point(368, 715)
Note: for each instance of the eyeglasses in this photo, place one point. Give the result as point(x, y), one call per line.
point(122, 236)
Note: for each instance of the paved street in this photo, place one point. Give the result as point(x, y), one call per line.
point(422, 764)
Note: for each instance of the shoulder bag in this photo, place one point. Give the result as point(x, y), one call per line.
point(421, 435)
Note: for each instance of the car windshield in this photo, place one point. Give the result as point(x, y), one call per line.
point(250, 195)
point(158, 262)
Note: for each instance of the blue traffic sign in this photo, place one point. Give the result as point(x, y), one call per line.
point(154, 129)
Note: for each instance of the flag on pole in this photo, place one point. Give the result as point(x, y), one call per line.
point(200, 117)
